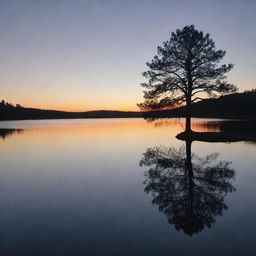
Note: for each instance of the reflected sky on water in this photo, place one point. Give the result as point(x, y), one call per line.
point(75, 187)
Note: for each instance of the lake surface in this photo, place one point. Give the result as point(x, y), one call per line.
point(118, 187)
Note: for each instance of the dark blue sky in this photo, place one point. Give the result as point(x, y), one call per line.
point(80, 54)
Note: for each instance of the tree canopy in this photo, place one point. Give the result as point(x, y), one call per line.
point(186, 67)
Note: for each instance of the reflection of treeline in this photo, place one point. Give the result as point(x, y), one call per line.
point(227, 131)
point(4, 133)
point(10, 112)
point(237, 105)
point(231, 126)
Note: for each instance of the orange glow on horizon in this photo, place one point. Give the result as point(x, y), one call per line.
point(78, 106)
point(70, 108)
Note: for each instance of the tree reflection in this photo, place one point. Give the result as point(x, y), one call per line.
point(188, 189)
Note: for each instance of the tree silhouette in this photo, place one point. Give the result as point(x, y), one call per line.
point(188, 189)
point(185, 68)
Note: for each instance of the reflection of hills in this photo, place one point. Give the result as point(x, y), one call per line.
point(188, 189)
point(230, 131)
point(215, 131)
point(239, 126)
point(4, 133)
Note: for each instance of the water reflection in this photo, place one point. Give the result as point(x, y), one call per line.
point(229, 131)
point(55, 190)
point(213, 130)
point(5, 133)
point(189, 189)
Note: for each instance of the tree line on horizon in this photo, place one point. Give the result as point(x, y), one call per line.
point(236, 105)
point(9, 111)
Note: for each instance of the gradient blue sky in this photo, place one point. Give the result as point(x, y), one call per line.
point(83, 55)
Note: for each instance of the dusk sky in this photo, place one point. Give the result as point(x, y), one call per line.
point(84, 55)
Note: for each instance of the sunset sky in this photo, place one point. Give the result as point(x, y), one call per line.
point(83, 55)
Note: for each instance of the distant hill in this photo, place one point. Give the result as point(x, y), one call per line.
point(10, 112)
point(237, 105)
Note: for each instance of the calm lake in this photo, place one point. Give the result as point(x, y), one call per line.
point(118, 187)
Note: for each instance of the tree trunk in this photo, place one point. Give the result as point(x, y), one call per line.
point(188, 116)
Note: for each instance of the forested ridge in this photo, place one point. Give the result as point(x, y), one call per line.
point(236, 105)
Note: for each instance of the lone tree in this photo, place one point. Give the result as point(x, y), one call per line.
point(185, 68)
